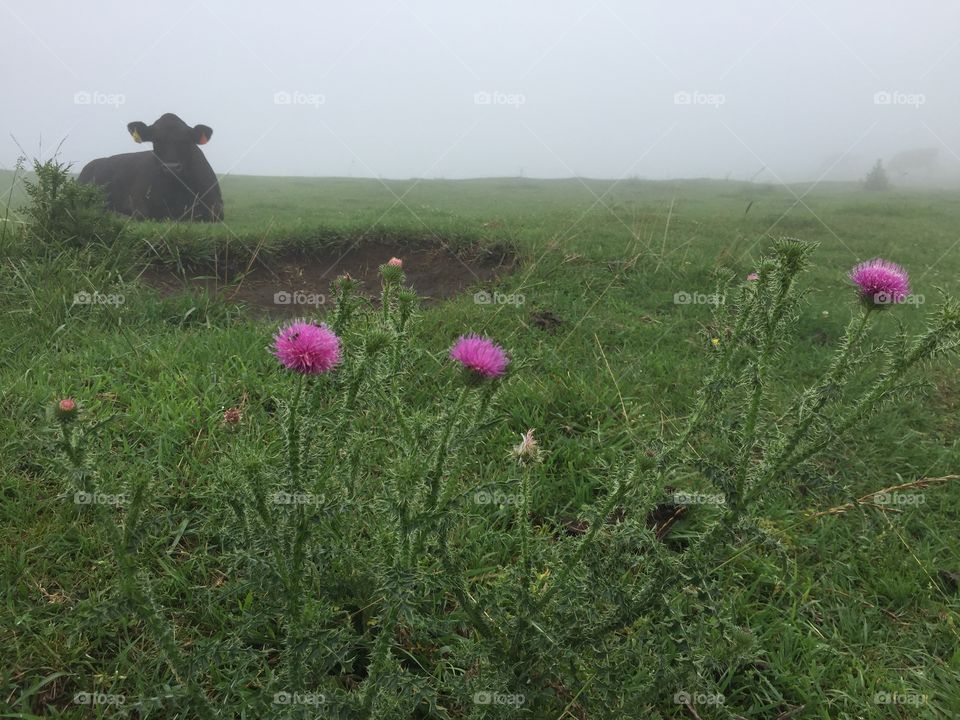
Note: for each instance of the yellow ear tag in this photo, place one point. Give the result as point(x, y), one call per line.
point(136, 137)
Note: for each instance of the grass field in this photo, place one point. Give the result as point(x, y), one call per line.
point(854, 609)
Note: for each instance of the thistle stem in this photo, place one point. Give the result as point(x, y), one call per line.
point(293, 438)
point(443, 449)
point(294, 573)
point(820, 394)
point(612, 499)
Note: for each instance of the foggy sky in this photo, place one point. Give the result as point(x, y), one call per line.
point(543, 88)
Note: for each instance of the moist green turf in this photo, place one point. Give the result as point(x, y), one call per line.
point(860, 607)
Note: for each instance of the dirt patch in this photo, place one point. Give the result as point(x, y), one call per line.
point(660, 520)
point(546, 320)
point(293, 284)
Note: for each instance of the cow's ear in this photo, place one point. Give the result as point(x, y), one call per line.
point(202, 134)
point(140, 132)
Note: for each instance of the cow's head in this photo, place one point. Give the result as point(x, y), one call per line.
point(174, 142)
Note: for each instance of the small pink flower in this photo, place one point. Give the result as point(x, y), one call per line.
point(307, 348)
point(753, 277)
point(232, 416)
point(67, 409)
point(481, 355)
point(395, 262)
point(881, 282)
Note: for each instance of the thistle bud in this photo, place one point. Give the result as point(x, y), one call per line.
point(67, 410)
point(392, 271)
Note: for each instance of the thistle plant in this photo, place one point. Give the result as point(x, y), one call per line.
point(380, 585)
point(87, 495)
point(306, 349)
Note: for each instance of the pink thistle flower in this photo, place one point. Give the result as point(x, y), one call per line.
point(395, 262)
point(880, 282)
point(753, 277)
point(480, 355)
point(307, 348)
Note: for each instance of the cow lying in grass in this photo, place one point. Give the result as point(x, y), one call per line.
point(172, 181)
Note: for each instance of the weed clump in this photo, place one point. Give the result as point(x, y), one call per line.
point(66, 213)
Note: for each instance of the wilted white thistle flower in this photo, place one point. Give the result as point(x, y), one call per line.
point(528, 448)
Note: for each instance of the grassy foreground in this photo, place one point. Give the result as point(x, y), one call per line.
point(854, 616)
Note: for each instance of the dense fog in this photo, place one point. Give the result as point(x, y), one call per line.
point(765, 90)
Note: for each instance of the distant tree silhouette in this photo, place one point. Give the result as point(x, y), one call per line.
point(877, 178)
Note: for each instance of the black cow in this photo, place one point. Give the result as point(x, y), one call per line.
point(174, 180)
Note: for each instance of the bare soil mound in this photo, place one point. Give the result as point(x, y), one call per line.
point(293, 284)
